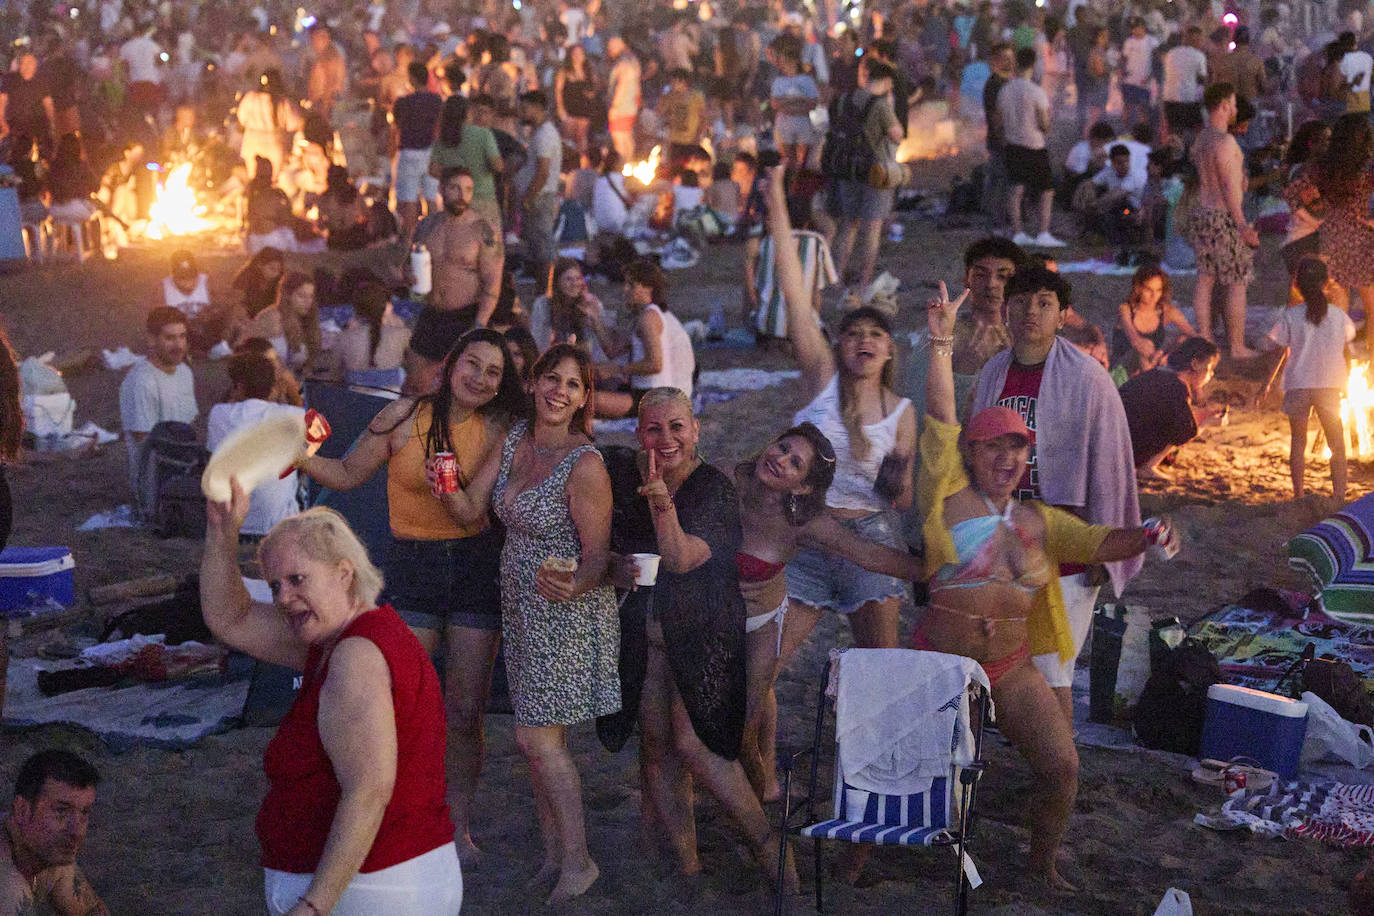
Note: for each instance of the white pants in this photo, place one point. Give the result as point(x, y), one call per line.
point(1079, 598)
point(427, 885)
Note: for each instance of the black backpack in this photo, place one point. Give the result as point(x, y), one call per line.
point(846, 153)
point(1174, 702)
point(170, 462)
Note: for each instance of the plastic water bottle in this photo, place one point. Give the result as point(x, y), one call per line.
point(715, 326)
point(421, 268)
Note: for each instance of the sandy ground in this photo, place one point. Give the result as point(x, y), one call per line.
point(173, 832)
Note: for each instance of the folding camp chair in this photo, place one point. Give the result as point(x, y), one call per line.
point(936, 817)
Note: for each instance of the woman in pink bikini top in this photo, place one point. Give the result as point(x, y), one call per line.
point(782, 508)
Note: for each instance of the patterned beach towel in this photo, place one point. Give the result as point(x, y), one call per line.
point(818, 272)
point(1338, 554)
point(1255, 648)
point(1333, 812)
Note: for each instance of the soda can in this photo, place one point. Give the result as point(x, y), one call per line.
point(1234, 781)
point(446, 472)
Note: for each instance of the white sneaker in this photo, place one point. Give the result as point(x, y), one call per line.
point(1023, 239)
point(1045, 240)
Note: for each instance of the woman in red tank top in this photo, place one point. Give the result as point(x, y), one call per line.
point(355, 820)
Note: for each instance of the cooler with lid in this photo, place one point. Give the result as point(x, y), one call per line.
point(1243, 722)
point(30, 576)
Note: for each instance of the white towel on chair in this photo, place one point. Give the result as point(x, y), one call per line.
point(901, 717)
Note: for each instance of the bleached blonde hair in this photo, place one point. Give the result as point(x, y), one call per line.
point(325, 537)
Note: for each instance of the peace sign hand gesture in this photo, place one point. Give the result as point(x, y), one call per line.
point(941, 313)
point(655, 490)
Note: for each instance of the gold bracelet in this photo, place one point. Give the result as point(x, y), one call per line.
point(943, 346)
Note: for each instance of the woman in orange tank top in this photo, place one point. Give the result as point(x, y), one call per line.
point(442, 578)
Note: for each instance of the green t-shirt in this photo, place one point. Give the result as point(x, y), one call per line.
point(474, 153)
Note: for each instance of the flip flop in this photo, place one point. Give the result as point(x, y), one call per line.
point(1214, 773)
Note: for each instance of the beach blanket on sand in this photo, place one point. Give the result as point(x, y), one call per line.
point(1333, 812)
point(1338, 553)
point(170, 715)
point(1255, 648)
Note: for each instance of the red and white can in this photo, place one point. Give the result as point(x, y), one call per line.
point(445, 473)
point(1233, 781)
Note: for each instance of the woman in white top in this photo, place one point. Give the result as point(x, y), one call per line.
point(569, 312)
point(267, 117)
point(660, 352)
point(873, 432)
point(611, 199)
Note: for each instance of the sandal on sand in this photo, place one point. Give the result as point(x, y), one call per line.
point(1214, 773)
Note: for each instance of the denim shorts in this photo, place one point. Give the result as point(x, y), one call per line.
point(413, 181)
point(824, 580)
point(439, 584)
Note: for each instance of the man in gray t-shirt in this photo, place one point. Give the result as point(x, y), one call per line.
point(159, 387)
point(540, 181)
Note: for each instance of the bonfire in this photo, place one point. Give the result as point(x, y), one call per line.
point(176, 210)
point(1356, 405)
point(645, 170)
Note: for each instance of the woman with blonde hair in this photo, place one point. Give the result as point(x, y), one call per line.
point(355, 819)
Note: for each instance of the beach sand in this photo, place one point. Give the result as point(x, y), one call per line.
point(173, 831)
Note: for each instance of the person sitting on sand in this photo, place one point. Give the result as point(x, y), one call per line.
point(42, 835)
point(1160, 404)
point(1141, 341)
point(994, 587)
point(355, 820)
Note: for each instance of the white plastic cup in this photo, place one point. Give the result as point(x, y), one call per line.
point(647, 565)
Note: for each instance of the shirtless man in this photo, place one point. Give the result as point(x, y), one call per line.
point(1225, 244)
point(42, 834)
point(467, 257)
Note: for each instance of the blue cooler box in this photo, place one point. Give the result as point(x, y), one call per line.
point(29, 575)
point(1242, 722)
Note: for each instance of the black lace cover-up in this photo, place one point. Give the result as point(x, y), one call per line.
point(702, 611)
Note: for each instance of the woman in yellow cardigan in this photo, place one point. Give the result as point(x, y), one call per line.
point(994, 595)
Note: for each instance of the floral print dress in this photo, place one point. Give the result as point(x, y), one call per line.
point(562, 658)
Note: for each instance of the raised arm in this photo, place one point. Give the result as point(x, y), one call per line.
point(825, 533)
point(357, 724)
point(231, 614)
point(813, 353)
point(372, 450)
point(681, 552)
point(940, 316)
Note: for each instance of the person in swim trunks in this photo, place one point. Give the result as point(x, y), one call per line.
point(782, 508)
point(468, 256)
point(1223, 241)
point(992, 563)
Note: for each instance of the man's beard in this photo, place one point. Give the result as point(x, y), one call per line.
point(456, 207)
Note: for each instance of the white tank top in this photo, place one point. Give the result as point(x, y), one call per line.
point(679, 361)
point(191, 302)
point(854, 479)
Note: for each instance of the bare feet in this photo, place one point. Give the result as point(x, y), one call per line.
point(1149, 473)
point(772, 792)
point(1243, 353)
point(574, 883)
point(1056, 882)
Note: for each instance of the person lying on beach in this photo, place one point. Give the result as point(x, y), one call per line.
point(994, 592)
point(42, 834)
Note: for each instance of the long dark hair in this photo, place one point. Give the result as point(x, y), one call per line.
point(1311, 283)
point(563, 315)
point(300, 330)
point(801, 507)
point(452, 118)
point(646, 273)
point(1145, 274)
point(1346, 157)
point(11, 414)
point(509, 401)
point(258, 290)
point(371, 307)
point(582, 419)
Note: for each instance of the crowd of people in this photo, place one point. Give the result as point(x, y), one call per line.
point(999, 471)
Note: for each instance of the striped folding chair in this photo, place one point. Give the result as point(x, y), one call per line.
point(938, 816)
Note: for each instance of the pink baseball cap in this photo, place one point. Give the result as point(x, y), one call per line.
point(992, 422)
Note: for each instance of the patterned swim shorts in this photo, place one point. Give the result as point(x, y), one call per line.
point(1220, 250)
